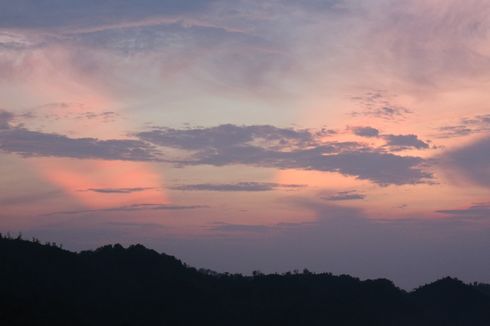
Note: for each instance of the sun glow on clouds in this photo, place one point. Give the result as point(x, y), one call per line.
point(51, 76)
point(251, 127)
point(76, 177)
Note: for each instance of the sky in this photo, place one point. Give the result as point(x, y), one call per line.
point(342, 136)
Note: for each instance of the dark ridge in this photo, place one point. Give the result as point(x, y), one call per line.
point(42, 284)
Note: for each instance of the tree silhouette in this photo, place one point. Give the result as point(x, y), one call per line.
point(42, 284)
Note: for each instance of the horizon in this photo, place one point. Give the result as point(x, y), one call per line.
point(337, 136)
point(204, 270)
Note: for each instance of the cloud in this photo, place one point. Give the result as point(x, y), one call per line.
point(481, 210)
point(366, 131)
point(284, 148)
point(118, 190)
point(131, 208)
point(378, 167)
point(237, 187)
point(345, 195)
point(29, 198)
point(34, 143)
point(256, 145)
point(401, 142)
point(5, 119)
point(395, 142)
point(388, 112)
point(466, 126)
point(379, 104)
point(228, 135)
point(60, 13)
point(454, 131)
point(410, 29)
point(472, 162)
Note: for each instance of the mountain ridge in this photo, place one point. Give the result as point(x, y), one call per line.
point(43, 284)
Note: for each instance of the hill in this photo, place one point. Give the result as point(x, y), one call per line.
point(42, 284)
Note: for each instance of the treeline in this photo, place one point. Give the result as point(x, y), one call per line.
point(42, 284)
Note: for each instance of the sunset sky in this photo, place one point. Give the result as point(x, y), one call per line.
point(338, 135)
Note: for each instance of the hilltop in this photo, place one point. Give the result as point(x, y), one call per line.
point(42, 284)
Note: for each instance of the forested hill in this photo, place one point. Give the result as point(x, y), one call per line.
point(42, 284)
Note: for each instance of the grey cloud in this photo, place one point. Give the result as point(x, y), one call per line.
point(131, 208)
point(379, 167)
point(268, 146)
point(472, 162)
point(118, 190)
point(481, 210)
point(454, 131)
point(228, 135)
point(479, 120)
point(146, 226)
point(166, 37)
point(33, 143)
point(378, 104)
point(315, 4)
point(67, 110)
point(5, 119)
point(395, 142)
point(60, 13)
point(29, 198)
point(345, 195)
point(466, 126)
point(366, 132)
point(388, 112)
point(262, 146)
point(236, 187)
point(400, 142)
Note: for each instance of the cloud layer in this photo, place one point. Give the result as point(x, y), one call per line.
point(33, 143)
point(256, 145)
point(236, 187)
point(282, 148)
point(471, 162)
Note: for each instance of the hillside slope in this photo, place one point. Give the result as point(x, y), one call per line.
point(46, 285)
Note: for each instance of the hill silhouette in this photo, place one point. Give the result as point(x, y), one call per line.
point(42, 284)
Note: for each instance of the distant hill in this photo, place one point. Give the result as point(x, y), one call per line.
point(42, 284)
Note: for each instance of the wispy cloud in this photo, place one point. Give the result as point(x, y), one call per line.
point(130, 208)
point(471, 162)
point(118, 190)
point(79, 13)
point(378, 104)
point(344, 195)
point(465, 126)
point(237, 187)
point(481, 210)
point(29, 198)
